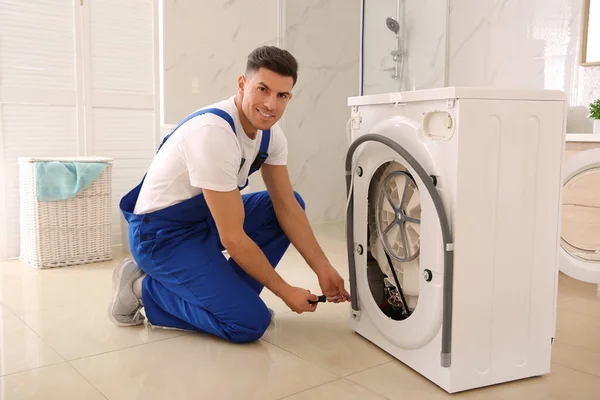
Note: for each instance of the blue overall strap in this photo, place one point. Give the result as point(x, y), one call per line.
point(260, 157)
point(215, 111)
point(262, 152)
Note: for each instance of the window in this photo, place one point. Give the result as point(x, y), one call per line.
point(590, 43)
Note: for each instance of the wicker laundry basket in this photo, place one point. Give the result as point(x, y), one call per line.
point(65, 232)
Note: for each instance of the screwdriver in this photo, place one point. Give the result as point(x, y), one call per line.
point(322, 299)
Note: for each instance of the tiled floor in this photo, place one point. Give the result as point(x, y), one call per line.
point(57, 343)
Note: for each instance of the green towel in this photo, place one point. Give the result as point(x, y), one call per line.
point(59, 180)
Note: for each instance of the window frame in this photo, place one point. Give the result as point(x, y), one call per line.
point(585, 19)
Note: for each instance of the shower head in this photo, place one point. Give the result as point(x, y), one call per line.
point(392, 25)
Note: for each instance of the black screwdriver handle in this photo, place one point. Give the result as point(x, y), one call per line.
point(322, 299)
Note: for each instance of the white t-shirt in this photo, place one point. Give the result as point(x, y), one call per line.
point(204, 153)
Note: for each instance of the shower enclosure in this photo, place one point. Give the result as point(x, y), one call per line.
point(403, 45)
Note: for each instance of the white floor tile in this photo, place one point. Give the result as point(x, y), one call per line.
point(57, 382)
point(47, 316)
point(20, 348)
point(84, 330)
point(340, 389)
point(196, 366)
point(325, 339)
point(33, 290)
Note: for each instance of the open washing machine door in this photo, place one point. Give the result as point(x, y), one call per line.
point(579, 253)
point(401, 235)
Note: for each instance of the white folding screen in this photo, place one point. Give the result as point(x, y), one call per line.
point(38, 94)
point(76, 78)
point(123, 88)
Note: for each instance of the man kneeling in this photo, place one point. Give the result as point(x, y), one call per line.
point(188, 209)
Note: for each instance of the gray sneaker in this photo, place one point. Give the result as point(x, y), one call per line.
point(272, 312)
point(125, 308)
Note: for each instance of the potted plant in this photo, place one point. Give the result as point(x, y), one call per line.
point(595, 115)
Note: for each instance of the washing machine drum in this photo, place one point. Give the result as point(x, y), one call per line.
point(579, 253)
point(394, 238)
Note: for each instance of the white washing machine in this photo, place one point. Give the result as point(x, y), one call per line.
point(460, 190)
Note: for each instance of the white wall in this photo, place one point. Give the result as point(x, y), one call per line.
point(530, 44)
point(205, 50)
point(206, 44)
point(324, 35)
point(491, 43)
point(497, 43)
point(425, 22)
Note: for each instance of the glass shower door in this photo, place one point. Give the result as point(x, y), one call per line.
point(403, 45)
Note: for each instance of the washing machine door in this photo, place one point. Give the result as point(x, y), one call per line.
point(579, 253)
point(399, 218)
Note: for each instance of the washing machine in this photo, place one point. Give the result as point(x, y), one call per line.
point(579, 253)
point(453, 229)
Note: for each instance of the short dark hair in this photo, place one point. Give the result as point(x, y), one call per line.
point(275, 59)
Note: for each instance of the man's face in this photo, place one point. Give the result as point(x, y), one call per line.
point(265, 95)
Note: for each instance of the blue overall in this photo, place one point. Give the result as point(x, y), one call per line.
point(190, 284)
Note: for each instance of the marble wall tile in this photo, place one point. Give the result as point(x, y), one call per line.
point(206, 44)
point(324, 36)
point(425, 27)
point(523, 44)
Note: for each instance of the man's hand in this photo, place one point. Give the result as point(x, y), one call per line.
point(332, 284)
point(227, 209)
point(294, 223)
point(297, 300)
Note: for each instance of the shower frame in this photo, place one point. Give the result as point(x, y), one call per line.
point(362, 42)
point(361, 68)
